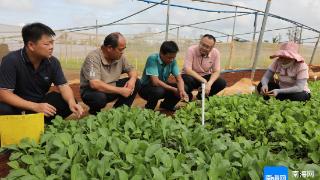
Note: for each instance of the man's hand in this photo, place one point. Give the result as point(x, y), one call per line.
point(130, 84)
point(207, 89)
point(203, 80)
point(184, 96)
point(176, 92)
point(274, 92)
point(125, 92)
point(45, 108)
point(76, 109)
point(264, 89)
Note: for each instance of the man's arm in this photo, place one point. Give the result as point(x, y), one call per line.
point(133, 75)
point(195, 75)
point(68, 96)
point(157, 82)
point(180, 83)
point(12, 99)
point(107, 88)
point(214, 76)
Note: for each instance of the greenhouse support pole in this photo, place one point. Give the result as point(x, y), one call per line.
point(66, 46)
point(178, 32)
point(300, 36)
point(254, 36)
point(167, 23)
point(263, 27)
point(314, 51)
point(232, 39)
point(300, 39)
point(97, 33)
point(203, 93)
point(71, 54)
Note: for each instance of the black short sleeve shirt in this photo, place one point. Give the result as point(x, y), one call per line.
point(18, 75)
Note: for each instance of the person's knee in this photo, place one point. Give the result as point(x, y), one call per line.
point(96, 100)
point(158, 93)
point(187, 89)
point(222, 83)
point(6, 109)
point(259, 87)
point(187, 79)
point(137, 85)
point(155, 93)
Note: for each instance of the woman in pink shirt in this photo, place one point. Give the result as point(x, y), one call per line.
point(292, 73)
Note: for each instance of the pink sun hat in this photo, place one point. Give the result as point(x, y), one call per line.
point(288, 50)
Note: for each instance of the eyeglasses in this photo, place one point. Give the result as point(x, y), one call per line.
point(202, 45)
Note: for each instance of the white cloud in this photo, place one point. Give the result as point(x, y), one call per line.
point(106, 4)
point(16, 5)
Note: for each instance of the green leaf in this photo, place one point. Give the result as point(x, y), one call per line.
point(24, 145)
point(137, 177)
point(254, 175)
point(63, 168)
point(92, 166)
point(75, 171)
point(28, 177)
point(27, 159)
point(101, 142)
point(46, 137)
point(58, 142)
point(247, 161)
point(15, 156)
point(164, 158)
point(122, 174)
point(176, 175)
point(16, 173)
point(122, 145)
point(152, 149)
point(65, 138)
point(176, 165)
point(200, 175)
point(114, 146)
point(37, 170)
point(90, 123)
point(315, 156)
point(157, 175)
point(237, 164)
point(72, 150)
point(14, 164)
point(130, 158)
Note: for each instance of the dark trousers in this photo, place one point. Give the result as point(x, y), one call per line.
point(191, 83)
point(152, 94)
point(53, 98)
point(298, 96)
point(97, 100)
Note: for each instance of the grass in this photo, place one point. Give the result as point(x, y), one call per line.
point(137, 53)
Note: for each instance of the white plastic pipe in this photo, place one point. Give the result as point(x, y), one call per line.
point(203, 93)
point(167, 23)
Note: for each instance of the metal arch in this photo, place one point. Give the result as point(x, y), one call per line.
point(217, 11)
point(261, 13)
point(192, 8)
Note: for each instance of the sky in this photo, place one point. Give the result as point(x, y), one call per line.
point(60, 14)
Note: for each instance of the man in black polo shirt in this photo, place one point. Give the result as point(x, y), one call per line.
point(27, 74)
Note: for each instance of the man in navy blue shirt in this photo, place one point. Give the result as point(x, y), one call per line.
point(27, 74)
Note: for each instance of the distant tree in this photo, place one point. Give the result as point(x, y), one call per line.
point(276, 39)
point(294, 34)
